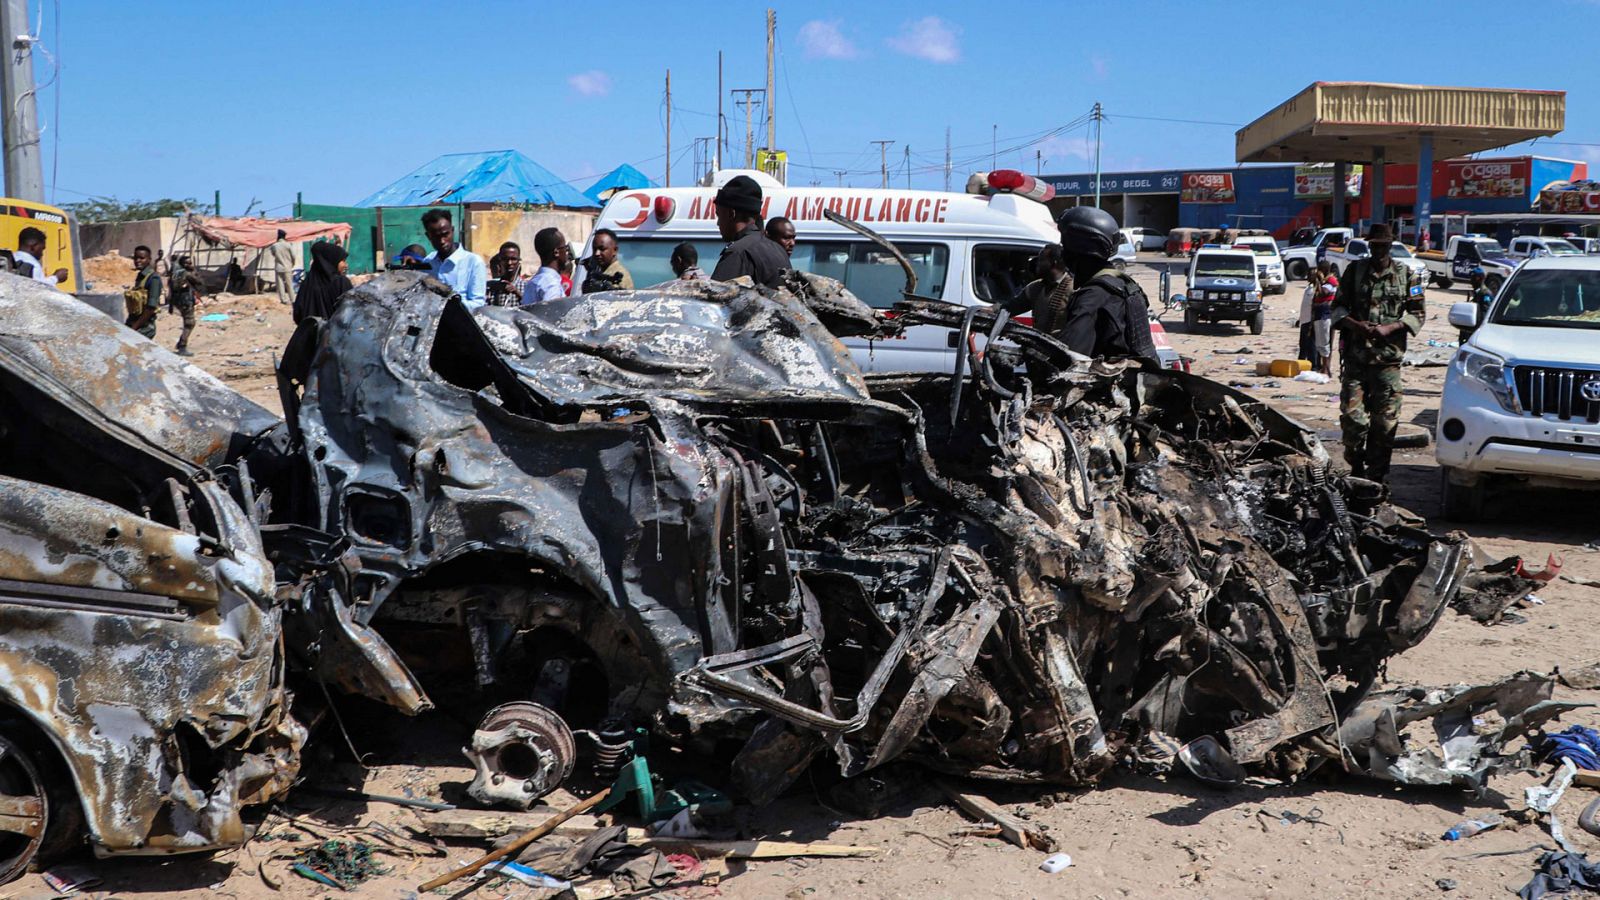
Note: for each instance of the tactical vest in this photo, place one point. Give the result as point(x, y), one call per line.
point(1135, 311)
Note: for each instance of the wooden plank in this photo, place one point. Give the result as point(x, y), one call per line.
point(480, 824)
point(1013, 829)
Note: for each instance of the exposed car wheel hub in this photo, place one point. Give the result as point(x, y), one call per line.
point(521, 751)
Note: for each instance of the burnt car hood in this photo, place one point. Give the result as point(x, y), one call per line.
point(128, 404)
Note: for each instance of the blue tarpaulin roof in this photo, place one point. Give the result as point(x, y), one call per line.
point(623, 177)
point(492, 177)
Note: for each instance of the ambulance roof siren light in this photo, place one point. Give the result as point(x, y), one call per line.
point(1011, 181)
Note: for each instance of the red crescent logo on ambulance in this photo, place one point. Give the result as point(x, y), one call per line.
point(644, 210)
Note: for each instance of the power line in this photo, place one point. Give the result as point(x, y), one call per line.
point(1110, 117)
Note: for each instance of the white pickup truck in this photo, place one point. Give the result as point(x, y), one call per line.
point(1521, 399)
point(1532, 246)
point(1358, 249)
point(1464, 253)
point(1298, 261)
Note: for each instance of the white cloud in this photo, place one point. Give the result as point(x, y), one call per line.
point(593, 83)
point(930, 38)
point(823, 40)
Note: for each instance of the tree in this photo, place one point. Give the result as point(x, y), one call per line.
point(110, 209)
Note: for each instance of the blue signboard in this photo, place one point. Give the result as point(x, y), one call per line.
point(1137, 183)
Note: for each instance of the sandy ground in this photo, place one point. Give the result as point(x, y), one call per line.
point(1132, 837)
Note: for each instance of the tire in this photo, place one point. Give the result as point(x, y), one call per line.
point(1258, 321)
point(30, 772)
point(1298, 270)
point(1462, 502)
point(1443, 282)
point(1119, 265)
point(1191, 320)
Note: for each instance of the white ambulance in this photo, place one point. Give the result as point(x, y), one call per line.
point(970, 249)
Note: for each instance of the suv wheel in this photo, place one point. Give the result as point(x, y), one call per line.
point(1298, 270)
point(1463, 502)
point(1119, 264)
point(1443, 282)
point(1191, 320)
point(1258, 321)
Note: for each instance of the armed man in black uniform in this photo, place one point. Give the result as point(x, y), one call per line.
point(1107, 314)
point(750, 252)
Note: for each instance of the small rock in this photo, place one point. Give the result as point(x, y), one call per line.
point(1445, 884)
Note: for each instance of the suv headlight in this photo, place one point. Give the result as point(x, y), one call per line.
point(1490, 371)
point(1198, 295)
point(1252, 295)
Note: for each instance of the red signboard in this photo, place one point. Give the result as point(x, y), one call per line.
point(1499, 178)
point(1558, 201)
point(1208, 187)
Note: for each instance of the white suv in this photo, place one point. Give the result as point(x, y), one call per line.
point(1269, 262)
point(1522, 396)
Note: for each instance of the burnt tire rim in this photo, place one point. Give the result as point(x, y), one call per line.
point(24, 810)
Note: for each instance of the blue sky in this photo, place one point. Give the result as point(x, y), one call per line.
point(337, 98)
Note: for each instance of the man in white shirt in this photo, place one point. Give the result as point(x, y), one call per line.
point(553, 256)
point(29, 252)
point(453, 264)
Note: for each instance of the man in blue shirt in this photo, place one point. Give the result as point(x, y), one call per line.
point(453, 264)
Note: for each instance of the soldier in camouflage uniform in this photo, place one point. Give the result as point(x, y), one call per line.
point(1379, 304)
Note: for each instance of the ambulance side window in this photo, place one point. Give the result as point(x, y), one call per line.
point(650, 261)
point(872, 273)
point(1000, 272)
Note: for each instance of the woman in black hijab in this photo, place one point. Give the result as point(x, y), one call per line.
point(324, 283)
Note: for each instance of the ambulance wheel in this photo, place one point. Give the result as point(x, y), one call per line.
point(1258, 322)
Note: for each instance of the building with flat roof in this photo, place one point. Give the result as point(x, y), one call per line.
point(1282, 198)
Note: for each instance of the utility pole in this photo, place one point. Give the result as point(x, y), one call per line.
point(994, 141)
point(748, 103)
point(24, 172)
point(840, 174)
point(883, 158)
point(1038, 163)
point(669, 128)
point(771, 96)
point(1098, 115)
point(908, 167)
point(717, 156)
point(947, 158)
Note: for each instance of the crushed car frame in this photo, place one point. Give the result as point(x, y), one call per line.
point(683, 507)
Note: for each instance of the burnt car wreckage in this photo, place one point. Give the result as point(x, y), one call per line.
point(685, 508)
point(141, 677)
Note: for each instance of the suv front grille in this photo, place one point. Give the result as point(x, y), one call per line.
point(1556, 392)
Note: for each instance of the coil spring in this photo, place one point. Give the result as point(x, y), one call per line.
point(612, 748)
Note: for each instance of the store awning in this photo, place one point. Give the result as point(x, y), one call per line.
point(1351, 121)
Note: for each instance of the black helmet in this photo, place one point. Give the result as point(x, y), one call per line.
point(1088, 231)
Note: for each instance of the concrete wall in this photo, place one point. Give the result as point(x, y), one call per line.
point(166, 235)
point(100, 238)
point(487, 229)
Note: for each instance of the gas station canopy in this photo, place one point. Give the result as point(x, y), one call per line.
point(1356, 121)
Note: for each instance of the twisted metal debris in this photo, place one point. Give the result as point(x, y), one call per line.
point(685, 507)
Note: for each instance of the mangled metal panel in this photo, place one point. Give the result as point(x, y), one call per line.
point(148, 656)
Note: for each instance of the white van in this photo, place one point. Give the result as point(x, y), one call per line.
point(972, 248)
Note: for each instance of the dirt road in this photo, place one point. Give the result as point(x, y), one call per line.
point(1133, 837)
